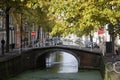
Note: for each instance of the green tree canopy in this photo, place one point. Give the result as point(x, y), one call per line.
point(85, 15)
point(70, 16)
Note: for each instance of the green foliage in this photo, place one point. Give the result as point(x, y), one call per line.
point(87, 16)
point(32, 11)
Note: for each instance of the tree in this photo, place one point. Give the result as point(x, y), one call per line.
point(86, 15)
point(67, 16)
point(80, 14)
point(7, 5)
point(39, 10)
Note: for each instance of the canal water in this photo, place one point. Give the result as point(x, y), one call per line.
point(60, 66)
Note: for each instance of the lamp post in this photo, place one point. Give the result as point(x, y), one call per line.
point(12, 37)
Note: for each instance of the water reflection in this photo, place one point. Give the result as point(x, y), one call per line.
point(61, 62)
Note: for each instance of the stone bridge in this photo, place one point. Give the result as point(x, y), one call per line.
point(35, 58)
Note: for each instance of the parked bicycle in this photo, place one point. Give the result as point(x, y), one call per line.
point(114, 65)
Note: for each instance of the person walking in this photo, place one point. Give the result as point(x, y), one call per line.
point(2, 46)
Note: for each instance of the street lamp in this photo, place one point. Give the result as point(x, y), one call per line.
point(12, 35)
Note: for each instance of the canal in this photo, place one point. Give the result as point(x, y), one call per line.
point(59, 66)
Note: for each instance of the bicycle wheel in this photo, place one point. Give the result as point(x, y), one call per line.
point(116, 66)
point(109, 66)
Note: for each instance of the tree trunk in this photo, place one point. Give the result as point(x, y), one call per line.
point(7, 28)
point(113, 40)
point(91, 40)
point(21, 30)
point(111, 29)
point(38, 33)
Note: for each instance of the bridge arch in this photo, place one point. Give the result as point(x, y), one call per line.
point(86, 59)
point(41, 55)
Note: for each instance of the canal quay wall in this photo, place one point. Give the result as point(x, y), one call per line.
point(11, 65)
